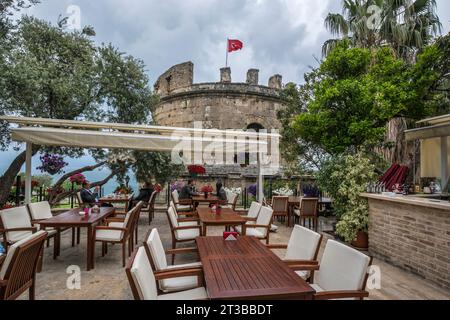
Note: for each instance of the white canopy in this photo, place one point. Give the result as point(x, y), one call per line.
point(84, 134)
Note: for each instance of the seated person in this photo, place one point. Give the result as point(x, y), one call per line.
point(145, 194)
point(89, 197)
point(188, 191)
point(221, 193)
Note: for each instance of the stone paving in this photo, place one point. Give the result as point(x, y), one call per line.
point(108, 279)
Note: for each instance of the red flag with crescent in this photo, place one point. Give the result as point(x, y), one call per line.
point(234, 45)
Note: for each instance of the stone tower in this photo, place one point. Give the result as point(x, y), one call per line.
point(219, 105)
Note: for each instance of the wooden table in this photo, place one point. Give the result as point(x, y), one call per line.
point(246, 269)
point(226, 218)
point(72, 219)
point(210, 200)
point(116, 200)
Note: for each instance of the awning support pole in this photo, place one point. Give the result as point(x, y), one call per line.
point(260, 181)
point(444, 164)
point(29, 155)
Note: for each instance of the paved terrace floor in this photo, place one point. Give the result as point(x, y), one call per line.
point(108, 280)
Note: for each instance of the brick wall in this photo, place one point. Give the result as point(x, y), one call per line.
point(414, 238)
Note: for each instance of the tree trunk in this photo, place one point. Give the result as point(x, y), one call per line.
point(58, 198)
point(8, 178)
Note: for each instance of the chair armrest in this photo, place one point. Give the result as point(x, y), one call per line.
point(276, 246)
point(188, 214)
point(178, 273)
point(182, 250)
point(185, 202)
point(37, 221)
point(254, 226)
point(250, 219)
point(188, 220)
point(110, 228)
point(32, 229)
point(109, 220)
point(328, 295)
point(302, 265)
point(188, 228)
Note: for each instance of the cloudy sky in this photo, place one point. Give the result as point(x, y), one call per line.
point(280, 36)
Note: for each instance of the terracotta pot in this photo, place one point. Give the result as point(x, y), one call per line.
point(362, 241)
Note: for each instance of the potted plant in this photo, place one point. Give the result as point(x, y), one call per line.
point(206, 190)
point(345, 178)
point(52, 164)
point(195, 170)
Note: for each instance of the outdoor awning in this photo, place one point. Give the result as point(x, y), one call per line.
point(133, 141)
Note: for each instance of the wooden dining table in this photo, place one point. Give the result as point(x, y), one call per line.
point(226, 218)
point(126, 199)
point(210, 199)
point(73, 219)
point(247, 269)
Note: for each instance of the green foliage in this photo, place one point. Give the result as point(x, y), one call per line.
point(155, 166)
point(358, 93)
point(344, 178)
point(45, 180)
point(403, 25)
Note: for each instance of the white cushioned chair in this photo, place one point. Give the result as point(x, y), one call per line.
point(155, 251)
point(252, 213)
point(302, 249)
point(181, 233)
point(232, 200)
point(18, 271)
point(143, 281)
point(259, 229)
point(178, 206)
point(40, 211)
point(118, 231)
point(185, 218)
point(16, 225)
point(342, 273)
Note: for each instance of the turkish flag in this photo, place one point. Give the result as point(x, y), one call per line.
point(234, 45)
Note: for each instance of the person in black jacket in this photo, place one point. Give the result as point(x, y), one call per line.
point(188, 191)
point(144, 195)
point(221, 193)
point(89, 197)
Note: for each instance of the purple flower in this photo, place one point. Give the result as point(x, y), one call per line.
point(252, 190)
point(52, 164)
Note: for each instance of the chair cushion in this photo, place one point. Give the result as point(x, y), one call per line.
point(16, 218)
point(184, 208)
point(189, 234)
point(40, 210)
point(189, 223)
point(158, 254)
point(178, 284)
point(251, 232)
point(187, 265)
point(341, 268)
point(302, 244)
point(316, 287)
point(108, 235)
point(303, 274)
point(12, 249)
point(143, 278)
point(194, 294)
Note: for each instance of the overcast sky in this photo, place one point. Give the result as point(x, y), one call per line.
point(280, 36)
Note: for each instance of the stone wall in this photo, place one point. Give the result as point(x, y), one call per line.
point(220, 106)
point(415, 238)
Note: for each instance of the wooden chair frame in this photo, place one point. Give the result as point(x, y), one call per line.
point(313, 218)
point(330, 295)
point(21, 273)
point(281, 213)
point(174, 229)
point(128, 234)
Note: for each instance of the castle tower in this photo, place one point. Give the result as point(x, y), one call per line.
point(219, 105)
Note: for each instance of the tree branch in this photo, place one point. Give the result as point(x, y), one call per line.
point(58, 198)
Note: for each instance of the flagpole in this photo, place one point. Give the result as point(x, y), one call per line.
point(226, 60)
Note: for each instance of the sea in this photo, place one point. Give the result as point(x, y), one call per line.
point(6, 157)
